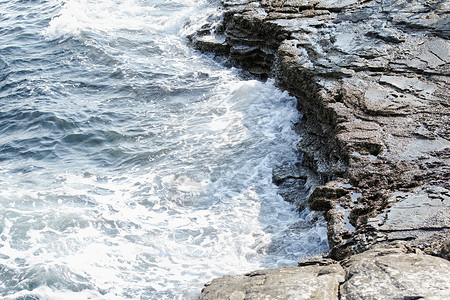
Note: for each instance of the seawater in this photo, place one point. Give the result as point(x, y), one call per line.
point(132, 166)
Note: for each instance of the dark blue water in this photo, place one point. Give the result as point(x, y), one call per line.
point(132, 166)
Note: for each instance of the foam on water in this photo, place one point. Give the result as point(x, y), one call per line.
point(164, 231)
point(143, 169)
point(78, 17)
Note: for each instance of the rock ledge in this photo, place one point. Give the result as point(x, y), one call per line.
point(375, 274)
point(372, 83)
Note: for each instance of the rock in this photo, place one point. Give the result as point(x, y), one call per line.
point(380, 273)
point(323, 197)
point(393, 274)
point(372, 83)
point(360, 137)
point(317, 260)
point(294, 191)
point(293, 184)
point(307, 282)
point(287, 171)
point(445, 249)
point(212, 43)
point(416, 211)
point(421, 218)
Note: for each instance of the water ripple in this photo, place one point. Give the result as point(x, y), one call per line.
point(131, 166)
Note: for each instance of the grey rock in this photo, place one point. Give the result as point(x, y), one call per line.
point(374, 96)
point(379, 273)
point(288, 171)
point(323, 197)
point(372, 83)
point(307, 282)
point(212, 43)
point(393, 274)
point(417, 212)
point(317, 260)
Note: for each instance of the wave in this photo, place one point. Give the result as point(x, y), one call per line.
point(106, 17)
point(131, 165)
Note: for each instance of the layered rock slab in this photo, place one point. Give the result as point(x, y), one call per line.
point(308, 282)
point(375, 274)
point(393, 274)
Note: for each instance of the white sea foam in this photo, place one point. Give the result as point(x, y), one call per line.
point(78, 17)
point(169, 229)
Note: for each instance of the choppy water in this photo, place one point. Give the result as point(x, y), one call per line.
point(132, 166)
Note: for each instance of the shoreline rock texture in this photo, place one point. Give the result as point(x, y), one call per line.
point(372, 83)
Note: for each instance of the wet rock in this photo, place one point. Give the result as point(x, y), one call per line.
point(293, 183)
point(212, 43)
point(316, 260)
point(420, 219)
point(288, 171)
point(418, 211)
point(323, 197)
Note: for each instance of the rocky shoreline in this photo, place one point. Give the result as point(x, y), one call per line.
point(372, 79)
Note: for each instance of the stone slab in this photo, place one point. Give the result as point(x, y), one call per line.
point(320, 282)
point(392, 274)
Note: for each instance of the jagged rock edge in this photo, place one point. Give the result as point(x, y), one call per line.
point(329, 159)
point(273, 66)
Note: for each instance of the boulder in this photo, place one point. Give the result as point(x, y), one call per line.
point(393, 274)
point(319, 282)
